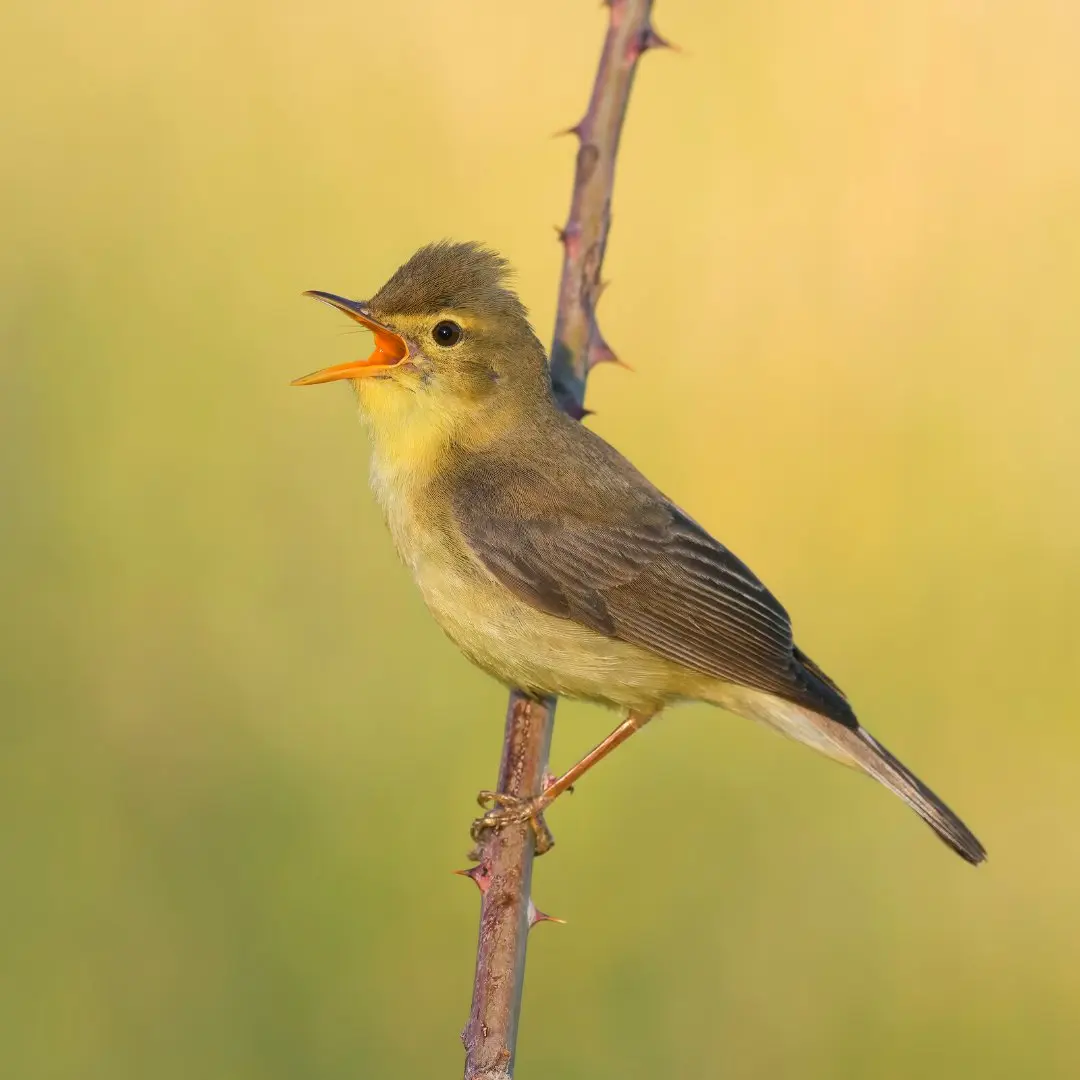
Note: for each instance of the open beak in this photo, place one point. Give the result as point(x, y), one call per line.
point(390, 348)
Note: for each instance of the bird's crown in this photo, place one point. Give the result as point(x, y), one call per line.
point(448, 276)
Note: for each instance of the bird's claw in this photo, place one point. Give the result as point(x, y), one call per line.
point(502, 810)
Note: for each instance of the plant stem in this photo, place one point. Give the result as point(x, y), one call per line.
point(505, 858)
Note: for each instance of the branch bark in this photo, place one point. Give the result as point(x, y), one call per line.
point(505, 858)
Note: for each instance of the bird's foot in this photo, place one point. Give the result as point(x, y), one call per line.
point(502, 810)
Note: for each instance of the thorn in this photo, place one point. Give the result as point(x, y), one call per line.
point(652, 40)
point(538, 916)
point(480, 875)
point(569, 235)
point(600, 352)
point(576, 411)
point(543, 916)
point(647, 39)
point(574, 129)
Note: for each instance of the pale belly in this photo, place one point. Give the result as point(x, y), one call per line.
point(541, 653)
point(518, 644)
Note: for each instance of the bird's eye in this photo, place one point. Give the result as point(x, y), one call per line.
point(447, 333)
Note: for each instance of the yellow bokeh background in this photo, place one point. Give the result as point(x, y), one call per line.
point(238, 758)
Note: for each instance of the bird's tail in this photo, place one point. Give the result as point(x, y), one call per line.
point(849, 743)
point(870, 756)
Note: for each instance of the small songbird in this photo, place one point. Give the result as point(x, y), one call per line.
point(548, 559)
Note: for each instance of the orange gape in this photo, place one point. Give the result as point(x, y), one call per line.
point(390, 348)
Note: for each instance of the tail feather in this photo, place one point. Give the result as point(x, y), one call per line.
point(874, 759)
point(843, 739)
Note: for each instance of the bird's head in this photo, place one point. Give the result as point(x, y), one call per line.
point(453, 343)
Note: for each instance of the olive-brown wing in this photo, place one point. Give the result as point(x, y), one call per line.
point(631, 565)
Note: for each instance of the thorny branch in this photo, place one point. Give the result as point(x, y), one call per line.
point(503, 870)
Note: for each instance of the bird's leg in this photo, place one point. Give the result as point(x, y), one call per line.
point(503, 810)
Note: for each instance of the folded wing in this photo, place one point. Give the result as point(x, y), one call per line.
point(612, 553)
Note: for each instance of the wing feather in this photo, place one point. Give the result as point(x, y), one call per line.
point(620, 558)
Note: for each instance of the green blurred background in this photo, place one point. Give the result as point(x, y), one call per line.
point(239, 760)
